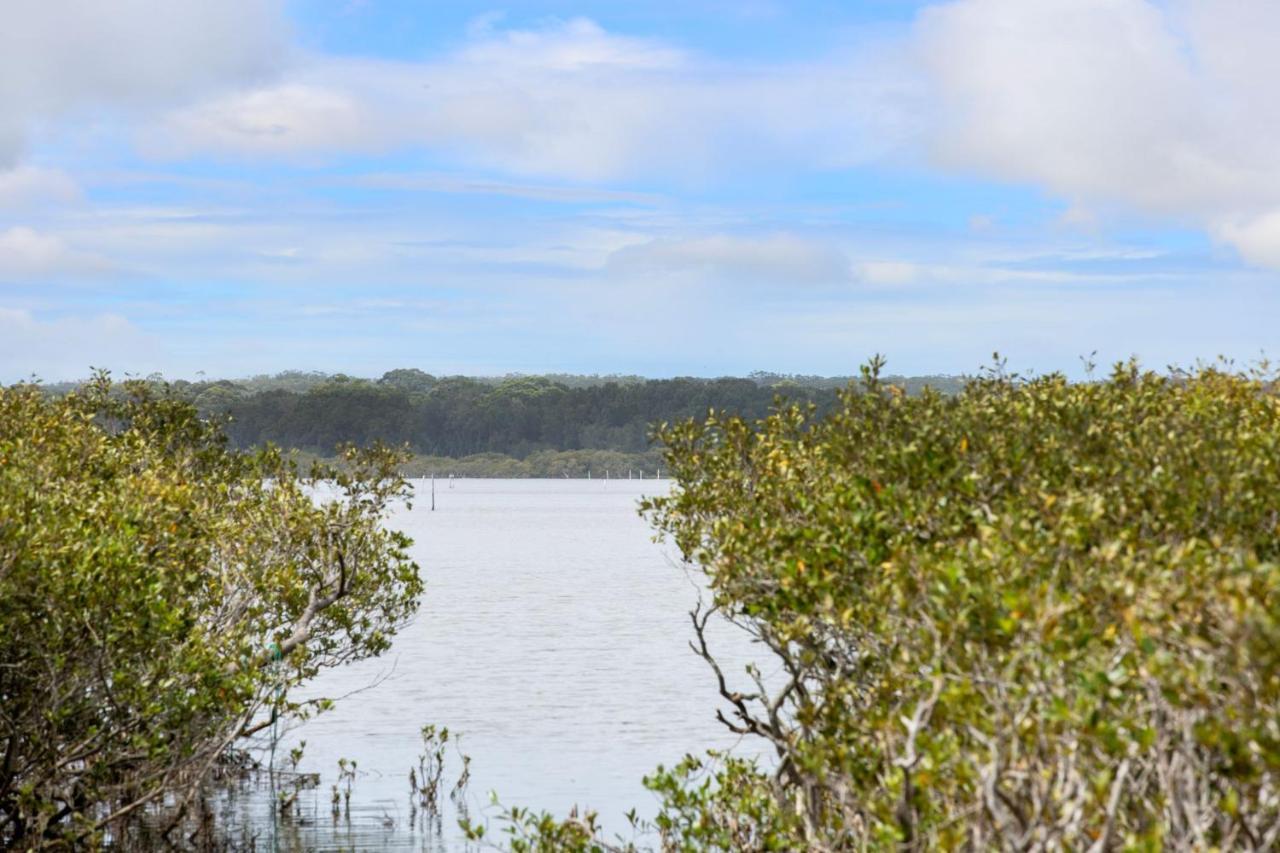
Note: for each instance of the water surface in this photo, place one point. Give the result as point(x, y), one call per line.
point(553, 636)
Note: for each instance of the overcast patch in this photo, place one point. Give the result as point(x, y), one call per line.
point(61, 56)
point(66, 348)
point(887, 272)
point(1166, 108)
point(29, 255)
point(30, 187)
point(570, 100)
point(777, 258)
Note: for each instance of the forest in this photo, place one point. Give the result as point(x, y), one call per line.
point(548, 425)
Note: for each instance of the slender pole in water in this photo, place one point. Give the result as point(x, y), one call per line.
point(433, 491)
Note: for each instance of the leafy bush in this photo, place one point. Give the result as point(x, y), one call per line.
point(160, 595)
point(1036, 614)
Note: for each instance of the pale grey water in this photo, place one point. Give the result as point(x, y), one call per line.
point(553, 636)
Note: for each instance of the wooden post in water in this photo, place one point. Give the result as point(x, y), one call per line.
point(433, 491)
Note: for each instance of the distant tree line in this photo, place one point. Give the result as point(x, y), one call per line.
point(515, 416)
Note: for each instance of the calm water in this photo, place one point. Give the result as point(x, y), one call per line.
point(553, 636)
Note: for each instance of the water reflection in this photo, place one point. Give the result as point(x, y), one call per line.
point(247, 821)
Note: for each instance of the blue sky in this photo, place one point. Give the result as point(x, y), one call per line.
point(240, 186)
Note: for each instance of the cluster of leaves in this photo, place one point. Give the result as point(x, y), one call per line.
point(426, 780)
point(524, 830)
point(159, 596)
point(721, 802)
point(1036, 614)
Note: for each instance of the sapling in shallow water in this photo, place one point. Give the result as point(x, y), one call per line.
point(430, 767)
point(340, 802)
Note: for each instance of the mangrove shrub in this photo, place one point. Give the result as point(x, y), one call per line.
point(1036, 614)
point(160, 595)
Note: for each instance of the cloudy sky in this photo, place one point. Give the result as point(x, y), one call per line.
point(702, 187)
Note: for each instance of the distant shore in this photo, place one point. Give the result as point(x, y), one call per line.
point(597, 464)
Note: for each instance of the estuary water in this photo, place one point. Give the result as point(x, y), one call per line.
point(553, 637)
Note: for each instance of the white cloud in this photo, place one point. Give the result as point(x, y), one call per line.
point(776, 258)
point(62, 56)
point(576, 45)
point(1257, 239)
point(65, 348)
point(29, 186)
point(887, 272)
point(570, 100)
point(1159, 106)
point(27, 254)
point(1163, 107)
point(287, 118)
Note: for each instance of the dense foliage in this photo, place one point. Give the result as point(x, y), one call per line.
point(1034, 615)
point(160, 595)
point(459, 416)
point(500, 422)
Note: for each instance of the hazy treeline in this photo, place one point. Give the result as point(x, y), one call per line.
point(542, 463)
point(521, 417)
point(552, 425)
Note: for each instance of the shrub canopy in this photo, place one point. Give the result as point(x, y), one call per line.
point(160, 595)
point(1035, 614)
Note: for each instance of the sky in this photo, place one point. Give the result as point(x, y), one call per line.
point(704, 187)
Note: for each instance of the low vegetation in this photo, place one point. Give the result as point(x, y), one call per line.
point(1033, 614)
point(160, 595)
point(1037, 614)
